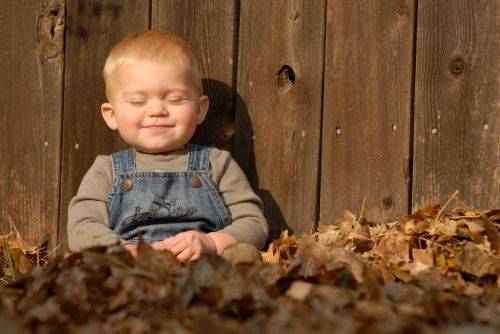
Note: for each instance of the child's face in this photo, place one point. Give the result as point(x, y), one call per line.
point(156, 108)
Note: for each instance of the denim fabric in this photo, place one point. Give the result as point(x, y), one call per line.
point(161, 204)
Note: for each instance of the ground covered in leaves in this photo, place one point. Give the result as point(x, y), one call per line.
point(433, 271)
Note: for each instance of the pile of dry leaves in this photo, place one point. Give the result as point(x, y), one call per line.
point(430, 271)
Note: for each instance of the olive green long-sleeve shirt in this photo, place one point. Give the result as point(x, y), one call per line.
point(88, 220)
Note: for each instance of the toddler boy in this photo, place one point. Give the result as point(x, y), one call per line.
point(180, 197)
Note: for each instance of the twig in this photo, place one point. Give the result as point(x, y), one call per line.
point(444, 206)
point(362, 209)
point(39, 248)
point(432, 242)
point(359, 218)
point(23, 243)
point(49, 253)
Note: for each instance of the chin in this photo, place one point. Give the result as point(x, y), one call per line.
point(153, 149)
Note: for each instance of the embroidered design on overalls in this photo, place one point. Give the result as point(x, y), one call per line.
point(158, 203)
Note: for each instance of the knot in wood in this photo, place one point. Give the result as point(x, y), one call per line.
point(457, 66)
point(294, 16)
point(285, 78)
point(50, 29)
point(402, 9)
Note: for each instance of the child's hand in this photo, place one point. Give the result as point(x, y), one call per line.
point(131, 248)
point(187, 245)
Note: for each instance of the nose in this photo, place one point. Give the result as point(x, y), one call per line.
point(158, 108)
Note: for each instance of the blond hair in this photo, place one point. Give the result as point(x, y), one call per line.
point(152, 46)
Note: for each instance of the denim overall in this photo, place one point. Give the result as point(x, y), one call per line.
point(158, 205)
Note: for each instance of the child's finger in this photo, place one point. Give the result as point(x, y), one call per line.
point(161, 245)
point(164, 244)
point(196, 256)
point(158, 245)
point(167, 240)
point(132, 249)
point(155, 245)
point(186, 254)
point(178, 247)
point(173, 243)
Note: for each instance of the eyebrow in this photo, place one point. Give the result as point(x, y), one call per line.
point(131, 92)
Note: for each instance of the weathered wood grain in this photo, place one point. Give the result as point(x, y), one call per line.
point(457, 119)
point(31, 63)
point(280, 67)
point(367, 108)
point(93, 29)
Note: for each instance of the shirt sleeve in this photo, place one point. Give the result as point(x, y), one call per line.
point(247, 221)
point(88, 221)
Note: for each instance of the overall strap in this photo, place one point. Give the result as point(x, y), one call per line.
point(124, 162)
point(198, 157)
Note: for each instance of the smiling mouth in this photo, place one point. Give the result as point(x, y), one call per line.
point(159, 127)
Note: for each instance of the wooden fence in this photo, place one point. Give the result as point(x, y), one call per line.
point(322, 102)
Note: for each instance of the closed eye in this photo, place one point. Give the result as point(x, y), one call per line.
point(176, 100)
point(137, 102)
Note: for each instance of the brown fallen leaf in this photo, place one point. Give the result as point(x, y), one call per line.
point(491, 233)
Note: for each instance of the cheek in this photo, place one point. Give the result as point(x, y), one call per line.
point(187, 117)
point(128, 120)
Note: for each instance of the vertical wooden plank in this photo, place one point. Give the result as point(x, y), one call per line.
point(280, 73)
point(457, 121)
point(367, 108)
point(210, 28)
point(93, 29)
point(31, 63)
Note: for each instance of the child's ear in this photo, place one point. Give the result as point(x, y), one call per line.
point(203, 104)
point(109, 115)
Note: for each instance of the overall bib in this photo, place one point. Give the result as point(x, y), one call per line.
point(159, 205)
